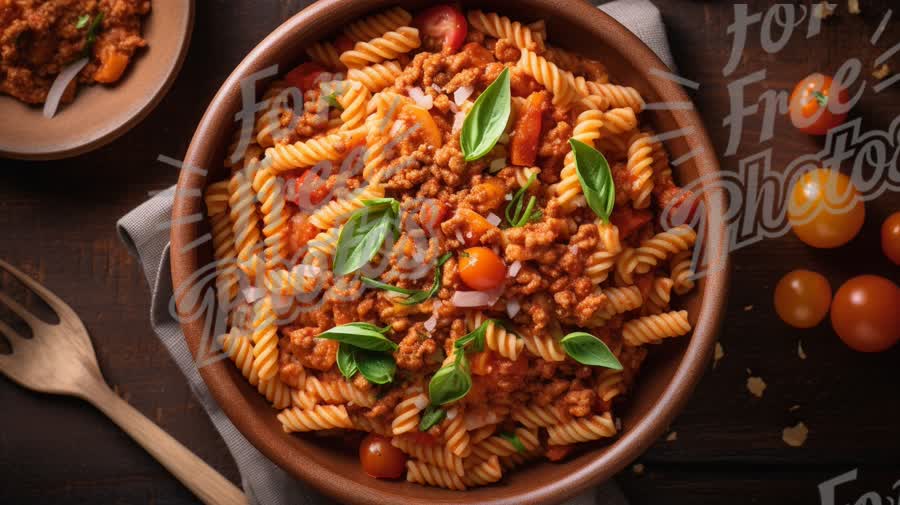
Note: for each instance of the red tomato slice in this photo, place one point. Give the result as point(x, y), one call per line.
point(304, 75)
point(524, 145)
point(445, 23)
point(628, 220)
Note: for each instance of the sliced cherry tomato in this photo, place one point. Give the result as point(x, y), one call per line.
point(481, 269)
point(527, 132)
point(304, 75)
point(629, 220)
point(864, 313)
point(890, 237)
point(380, 459)
point(802, 298)
point(445, 23)
point(814, 104)
point(343, 43)
point(825, 209)
point(413, 114)
point(475, 226)
point(308, 189)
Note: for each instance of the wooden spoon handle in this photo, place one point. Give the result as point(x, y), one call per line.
point(206, 483)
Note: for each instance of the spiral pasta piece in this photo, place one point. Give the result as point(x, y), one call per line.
point(240, 350)
point(548, 75)
point(682, 273)
point(603, 260)
point(377, 25)
point(376, 425)
point(325, 54)
point(621, 300)
point(482, 433)
point(660, 295)
point(338, 211)
point(303, 399)
point(354, 101)
point(502, 27)
point(500, 446)
point(497, 339)
point(545, 346)
point(265, 340)
point(322, 247)
point(245, 223)
point(582, 430)
point(223, 242)
point(484, 473)
point(617, 96)
point(339, 391)
point(456, 436)
point(640, 170)
point(268, 123)
point(436, 455)
point(431, 475)
point(385, 47)
point(587, 129)
point(270, 192)
point(284, 157)
point(406, 413)
point(320, 417)
point(663, 246)
point(655, 328)
point(619, 120)
point(524, 173)
point(610, 384)
point(535, 416)
point(626, 263)
point(376, 77)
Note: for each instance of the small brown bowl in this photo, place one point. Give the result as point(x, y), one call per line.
point(100, 114)
point(668, 377)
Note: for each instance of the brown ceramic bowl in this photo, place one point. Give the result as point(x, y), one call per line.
point(100, 114)
point(667, 378)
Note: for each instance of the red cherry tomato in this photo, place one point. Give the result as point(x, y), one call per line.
point(890, 237)
point(444, 23)
point(628, 220)
point(481, 269)
point(815, 105)
point(304, 75)
point(380, 459)
point(825, 209)
point(802, 298)
point(865, 313)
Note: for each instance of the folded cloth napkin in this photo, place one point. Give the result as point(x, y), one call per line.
point(144, 232)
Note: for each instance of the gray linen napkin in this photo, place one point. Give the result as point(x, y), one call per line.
point(144, 232)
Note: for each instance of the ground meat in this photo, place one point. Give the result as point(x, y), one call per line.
point(312, 352)
point(506, 51)
point(414, 347)
point(579, 401)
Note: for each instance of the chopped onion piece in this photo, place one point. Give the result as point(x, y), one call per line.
point(475, 420)
point(462, 94)
point(437, 88)
point(471, 299)
point(497, 165)
point(514, 268)
point(512, 308)
point(420, 402)
point(421, 99)
point(252, 294)
point(504, 139)
point(431, 323)
point(58, 88)
point(508, 197)
point(452, 413)
point(453, 107)
point(493, 219)
point(459, 236)
point(458, 119)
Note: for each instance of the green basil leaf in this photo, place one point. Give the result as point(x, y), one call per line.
point(368, 281)
point(376, 367)
point(517, 216)
point(332, 100)
point(363, 235)
point(82, 21)
point(370, 326)
point(362, 335)
point(475, 337)
point(589, 350)
point(92, 34)
point(432, 416)
point(414, 296)
point(513, 439)
point(485, 123)
point(346, 361)
point(595, 178)
point(451, 382)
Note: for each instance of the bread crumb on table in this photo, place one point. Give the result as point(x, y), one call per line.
point(638, 469)
point(882, 72)
point(748, 308)
point(853, 6)
point(756, 386)
point(794, 408)
point(720, 353)
point(824, 9)
point(800, 352)
point(795, 436)
point(672, 437)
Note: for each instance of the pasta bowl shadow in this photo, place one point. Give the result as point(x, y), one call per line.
point(667, 378)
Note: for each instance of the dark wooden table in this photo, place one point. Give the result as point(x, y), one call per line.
point(58, 224)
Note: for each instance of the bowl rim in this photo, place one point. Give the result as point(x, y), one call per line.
point(143, 106)
point(633, 442)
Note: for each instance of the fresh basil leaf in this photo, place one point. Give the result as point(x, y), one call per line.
point(589, 350)
point(363, 235)
point(414, 296)
point(485, 123)
point(595, 178)
point(368, 281)
point(346, 361)
point(475, 337)
point(516, 215)
point(432, 416)
point(332, 100)
point(370, 326)
point(82, 21)
point(451, 382)
point(362, 335)
point(514, 440)
point(376, 367)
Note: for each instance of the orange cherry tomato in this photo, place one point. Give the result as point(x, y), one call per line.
point(815, 106)
point(523, 146)
point(475, 227)
point(481, 269)
point(890, 237)
point(380, 459)
point(864, 313)
point(802, 298)
point(416, 115)
point(825, 209)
